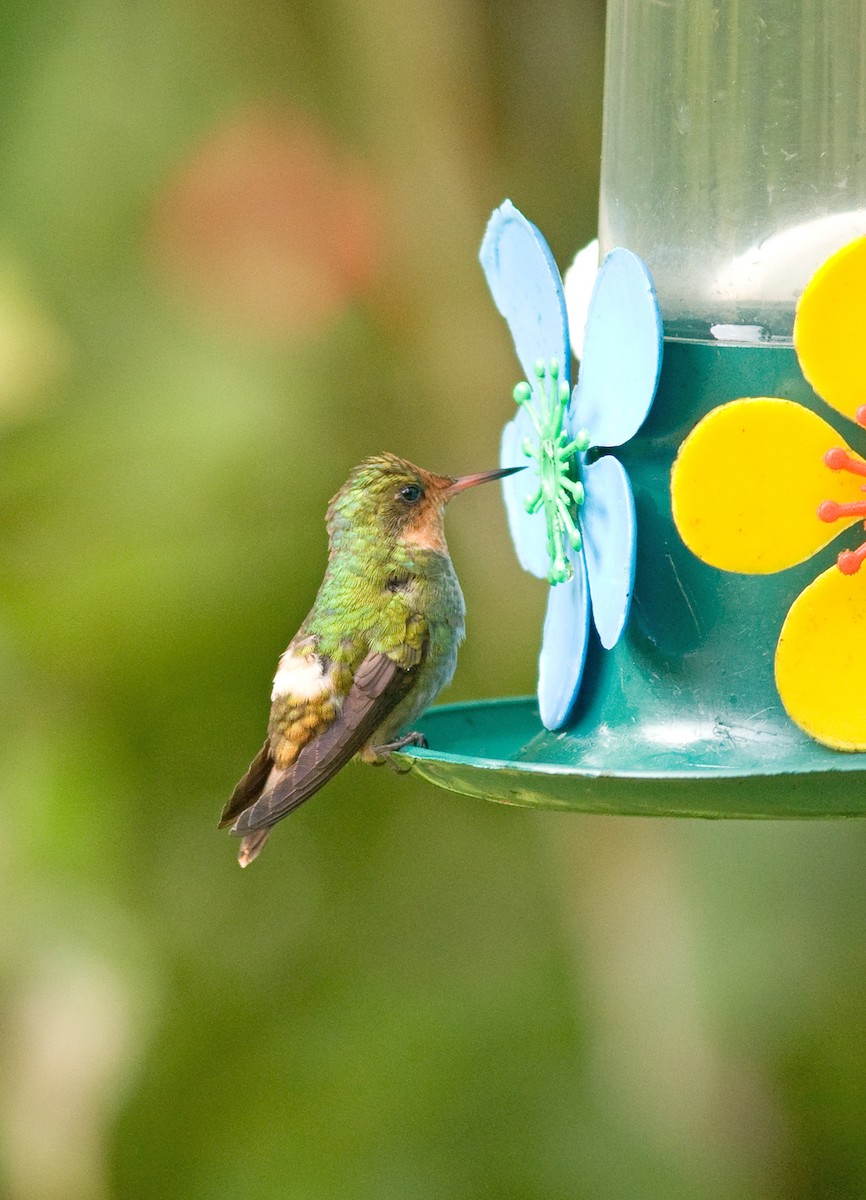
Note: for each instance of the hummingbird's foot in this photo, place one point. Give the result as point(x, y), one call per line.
point(382, 754)
point(409, 739)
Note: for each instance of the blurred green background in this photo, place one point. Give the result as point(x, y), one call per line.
point(237, 254)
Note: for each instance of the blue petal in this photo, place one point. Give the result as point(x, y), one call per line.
point(527, 289)
point(608, 525)
point(563, 647)
point(622, 353)
point(528, 530)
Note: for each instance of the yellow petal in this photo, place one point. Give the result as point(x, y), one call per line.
point(821, 660)
point(828, 329)
point(748, 481)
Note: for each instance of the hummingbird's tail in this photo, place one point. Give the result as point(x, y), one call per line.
point(251, 846)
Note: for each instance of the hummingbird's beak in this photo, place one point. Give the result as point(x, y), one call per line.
point(469, 481)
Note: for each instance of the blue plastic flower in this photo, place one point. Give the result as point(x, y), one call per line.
point(576, 525)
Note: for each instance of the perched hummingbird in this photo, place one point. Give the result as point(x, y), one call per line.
point(378, 645)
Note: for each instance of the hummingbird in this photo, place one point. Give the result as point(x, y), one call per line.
point(377, 647)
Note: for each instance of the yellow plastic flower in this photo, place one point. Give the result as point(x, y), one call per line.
point(761, 484)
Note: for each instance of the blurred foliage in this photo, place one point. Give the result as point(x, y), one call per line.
point(238, 253)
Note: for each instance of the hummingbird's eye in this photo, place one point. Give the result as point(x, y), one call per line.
point(411, 493)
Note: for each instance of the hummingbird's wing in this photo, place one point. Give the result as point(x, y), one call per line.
point(379, 685)
point(250, 787)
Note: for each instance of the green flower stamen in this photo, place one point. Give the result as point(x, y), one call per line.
point(559, 492)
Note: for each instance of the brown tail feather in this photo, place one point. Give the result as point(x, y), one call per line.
point(251, 846)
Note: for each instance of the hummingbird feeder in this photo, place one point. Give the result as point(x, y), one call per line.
point(704, 648)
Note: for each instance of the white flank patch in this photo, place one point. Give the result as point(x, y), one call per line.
point(300, 678)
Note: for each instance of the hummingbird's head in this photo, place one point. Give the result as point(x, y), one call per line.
point(401, 501)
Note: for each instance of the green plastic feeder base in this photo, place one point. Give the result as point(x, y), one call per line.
point(498, 750)
point(682, 717)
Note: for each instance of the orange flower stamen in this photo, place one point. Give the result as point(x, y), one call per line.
point(838, 459)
